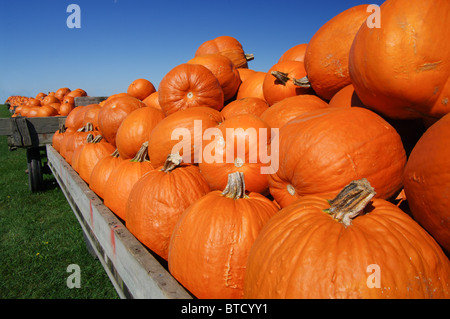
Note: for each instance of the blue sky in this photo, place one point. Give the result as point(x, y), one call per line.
point(122, 40)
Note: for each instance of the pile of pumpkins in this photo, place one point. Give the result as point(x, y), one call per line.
point(56, 103)
point(354, 124)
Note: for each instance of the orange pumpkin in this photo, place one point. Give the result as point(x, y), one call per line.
point(252, 86)
point(296, 53)
point(93, 151)
point(346, 97)
point(248, 105)
point(211, 240)
point(401, 70)
point(152, 101)
point(141, 88)
point(136, 129)
point(91, 115)
point(353, 246)
point(159, 198)
point(101, 172)
point(61, 93)
point(188, 86)
point(323, 150)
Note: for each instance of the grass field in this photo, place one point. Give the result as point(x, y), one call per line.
point(40, 237)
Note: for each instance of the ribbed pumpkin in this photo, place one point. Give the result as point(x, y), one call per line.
point(296, 53)
point(289, 108)
point(227, 46)
point(187, 86)
point(58, 137)
point(402, 69)
point(161, 142)
point(353, 246)
point(113, 112)
point(211, 240)
point(122, 179)
point(324, 150)
point(280, 81)
point(77, 139)
point(223, 69)
point(427, 181)
point(101, 172)
point(247, 105)
point(141, 88)
point(91, 115)
point(326, 57)
point(252, 86)
point(61, 93)
point(93, 151)
point(243, 142)
point(135, 129)
point(159, 198)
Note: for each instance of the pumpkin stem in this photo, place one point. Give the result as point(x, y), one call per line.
point(281, 76)
point(249, 56)
point(142, 154)
point(172, 162)
point(303, 82)
point(89, 138)
point(236, 186)
point(115, 153)
point(351, 201)
point(96, 139)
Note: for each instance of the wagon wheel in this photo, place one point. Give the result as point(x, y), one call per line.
point(34, 169)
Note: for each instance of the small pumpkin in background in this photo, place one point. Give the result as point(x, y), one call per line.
point(152, 101)
point(210, 243)
point(224, 70)
point(289, 108)
point(113, 112)
point(296, 53)
point(93, 151)
point(248, 105)
point(101, 172)
point(280, 81)
point(227, 46)
point(159, 198)
point(46, 111)
point(135, 129)
point(344, 248)
point(122, 179)
point(141, 88)
point(252, 86)
point(188, 86)
point(61, 93)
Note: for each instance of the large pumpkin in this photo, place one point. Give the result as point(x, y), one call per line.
point(402, 69)
point(227, 46)
point(427, 181)
point(252, 86)
point(159, 198)
point(211, 240)
point(101, 172)
point(112, 114)
point(135, 129)
point(185, 127)
point(187, 86)
point(295, 53)
point(323, 150)
point(246, 105)
point(224, 70)
point(326, 57)
point(354, 246)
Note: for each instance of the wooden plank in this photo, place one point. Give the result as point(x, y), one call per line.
point(86, 100)
point(133, 270)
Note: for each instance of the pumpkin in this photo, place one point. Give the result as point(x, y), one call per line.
point(159, 198)
point(401, 70)
point(280, 81)
point(101, 172)
point(34, 102)
point(223, 69)
point(122, 179)
point(113, 112)
point(75, 118)
point(193, 122)
point(295, 53)
point(58, 137)
point(227, 46)
point(187, 86)
point(427, 181)
point(353, 246)
point(252, 86)
point(244, 74)
point(247, 105)
point(93, 151)
point(50, 99)
point(76, 140)
point(135, 129)
point(65, 108)
point(152, 101)
point(346, 97)
point(141, 88)
point(64, 141)
point(323, 150)
point(46, 110)
point(210, 243)
point(289, 108)
point(241, 146)
point(61, 93)
point(91, 115)
point(326, 56)
point(76, 93)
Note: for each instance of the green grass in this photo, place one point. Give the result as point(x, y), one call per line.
point(40, 237)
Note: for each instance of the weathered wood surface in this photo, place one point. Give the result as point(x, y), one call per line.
point(133, 270)
point(86, 100)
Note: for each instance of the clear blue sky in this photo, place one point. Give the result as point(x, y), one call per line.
point(122, 40)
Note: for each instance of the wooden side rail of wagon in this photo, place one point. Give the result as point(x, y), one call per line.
point(134, 271)
point(33, 133)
